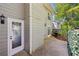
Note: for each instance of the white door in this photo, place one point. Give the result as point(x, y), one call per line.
point(15, 36)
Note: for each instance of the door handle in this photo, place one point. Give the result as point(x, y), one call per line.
point(10, 37)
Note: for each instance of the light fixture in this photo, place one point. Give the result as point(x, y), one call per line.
point(2, 19)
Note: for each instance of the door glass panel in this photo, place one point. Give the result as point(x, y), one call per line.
point(16, 29)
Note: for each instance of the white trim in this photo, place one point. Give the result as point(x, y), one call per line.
point(17, 49)
point(30, 28)
point(8, 36)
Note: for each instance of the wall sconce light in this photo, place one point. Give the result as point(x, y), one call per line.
point(2, 19)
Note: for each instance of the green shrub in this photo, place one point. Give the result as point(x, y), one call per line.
point(65, 27)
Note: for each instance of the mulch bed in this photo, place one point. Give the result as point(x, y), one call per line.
point(60, 37)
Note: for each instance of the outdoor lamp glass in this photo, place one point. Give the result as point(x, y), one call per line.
point(2, 19)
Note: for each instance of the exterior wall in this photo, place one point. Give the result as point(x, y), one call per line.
point(49, 21)
point(12, 11)
point(39, 30)
point(3, 39)
point(27, 28)
point(49, 27)
point(34, 26)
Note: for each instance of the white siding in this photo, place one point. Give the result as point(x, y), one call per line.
point(39, 31)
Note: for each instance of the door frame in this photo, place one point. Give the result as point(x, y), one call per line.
point(17, 49)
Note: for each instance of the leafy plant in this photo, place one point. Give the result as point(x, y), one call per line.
point(69, 11)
